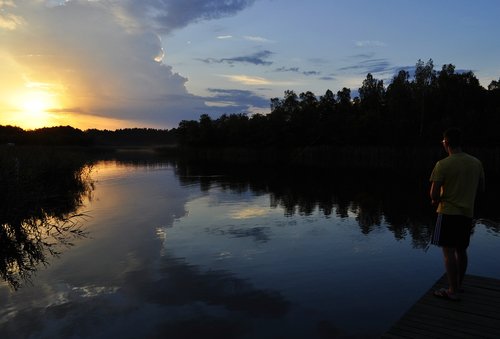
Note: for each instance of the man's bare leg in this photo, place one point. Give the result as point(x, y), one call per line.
point(462, 261)
point(451, 266)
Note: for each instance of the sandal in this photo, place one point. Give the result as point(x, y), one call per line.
point(443, 293)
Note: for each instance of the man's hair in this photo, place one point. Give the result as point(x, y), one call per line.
point(453, 137)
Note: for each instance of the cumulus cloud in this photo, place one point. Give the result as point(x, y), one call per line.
point(106, 54)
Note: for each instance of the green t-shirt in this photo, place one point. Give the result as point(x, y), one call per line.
point(460, 175)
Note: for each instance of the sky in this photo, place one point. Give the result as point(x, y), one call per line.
point(111, 64)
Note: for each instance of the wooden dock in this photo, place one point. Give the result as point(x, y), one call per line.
point(476, 315)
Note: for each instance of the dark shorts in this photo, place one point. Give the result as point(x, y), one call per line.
point(452, 231)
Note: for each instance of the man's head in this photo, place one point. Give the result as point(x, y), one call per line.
point(452, 137)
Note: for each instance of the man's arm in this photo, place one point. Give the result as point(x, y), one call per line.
point(435, 192)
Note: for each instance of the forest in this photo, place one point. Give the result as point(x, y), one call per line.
point(411, 111)
point(70, 136)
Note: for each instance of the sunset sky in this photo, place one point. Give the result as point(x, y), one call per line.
point(112, 64)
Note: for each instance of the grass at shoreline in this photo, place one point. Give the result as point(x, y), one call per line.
point(41, 191)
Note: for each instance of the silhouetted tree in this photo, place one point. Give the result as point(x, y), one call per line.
point(494, 85)
point(372, 97)
point(401, 113)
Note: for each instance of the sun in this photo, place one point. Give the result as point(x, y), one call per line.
point(35, 104)
point(34, 108)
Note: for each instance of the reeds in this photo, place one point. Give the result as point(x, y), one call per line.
point(41, 190)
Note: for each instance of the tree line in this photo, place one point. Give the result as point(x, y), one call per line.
point(70, 136)
point(410, 111)
point(413, 110)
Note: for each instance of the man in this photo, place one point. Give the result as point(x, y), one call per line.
point(455, 182)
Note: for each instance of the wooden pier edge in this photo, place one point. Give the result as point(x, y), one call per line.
point(476, 315)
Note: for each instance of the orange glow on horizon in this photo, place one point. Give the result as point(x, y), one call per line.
point(42, 105)
point(33, 101)
point(30, 105)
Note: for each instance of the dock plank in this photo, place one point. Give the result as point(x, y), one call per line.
point(476, 315)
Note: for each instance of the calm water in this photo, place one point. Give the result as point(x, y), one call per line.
point(177, 252)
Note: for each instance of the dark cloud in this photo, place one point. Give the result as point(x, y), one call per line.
point(296, 70)
point(311, 73)
point(284, 69)
point(363, 56)
point(66, 110)
point(237, 100)
point(370, 66)
point(167, 15)
point(258, 58)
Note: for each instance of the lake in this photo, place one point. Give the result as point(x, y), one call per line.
point(170, 250)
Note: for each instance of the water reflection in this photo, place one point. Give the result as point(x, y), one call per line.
point(180, 301)
point(39, 200)
point(124, 283)
point(396, 202)
point(180, 251)
point(259, 234)
point(182, 283)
